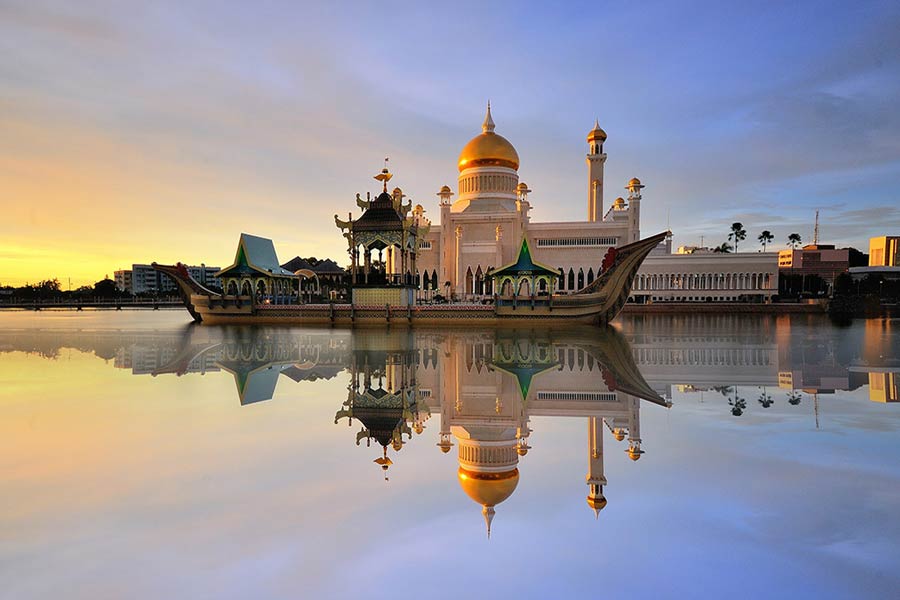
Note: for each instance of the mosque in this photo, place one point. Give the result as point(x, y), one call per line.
point(484, 227)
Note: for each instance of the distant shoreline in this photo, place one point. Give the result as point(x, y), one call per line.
point(722, 307)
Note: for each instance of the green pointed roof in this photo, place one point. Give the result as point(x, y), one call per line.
point(255, 255)
point(524, 373)
point(524, 264)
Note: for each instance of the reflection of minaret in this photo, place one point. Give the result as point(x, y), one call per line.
point(595, 477)
point(634, 431)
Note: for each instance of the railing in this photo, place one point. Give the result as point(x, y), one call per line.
point(93, 302)
point(378, 278)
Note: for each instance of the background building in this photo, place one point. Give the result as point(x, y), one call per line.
point(883, 271)
point(706, 276)
point(123, 280)
point(884, 251)
point(144, 279)
point(812, 268)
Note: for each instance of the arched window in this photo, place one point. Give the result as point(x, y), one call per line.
point(232, 288)
point(561, 284)
point(580, 278)
point(590, 278)
point(479, 281)
point(470, 281)
point(571, 279)
point(524, 288)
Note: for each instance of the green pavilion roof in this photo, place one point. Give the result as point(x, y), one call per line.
point(525, 265)
point(255, 255)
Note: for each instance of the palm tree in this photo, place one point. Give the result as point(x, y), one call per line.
point(794, 398)
point(765, 399)
point(738, 234)
point(723, 248)
point(737, 404)
point(794, 240)
point(765, 238)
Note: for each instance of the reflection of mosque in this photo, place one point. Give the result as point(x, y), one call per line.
point(486, 387)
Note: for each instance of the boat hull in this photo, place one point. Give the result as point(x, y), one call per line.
point(220, 312)
point(596, 304)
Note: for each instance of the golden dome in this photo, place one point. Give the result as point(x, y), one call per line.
point(488, 149)
point(522, 450)
point(619, 435)
point(596, 134)
point(445, 189)
point(488, 489)
point(634, 181)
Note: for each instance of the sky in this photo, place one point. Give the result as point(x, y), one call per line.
point(139, 132)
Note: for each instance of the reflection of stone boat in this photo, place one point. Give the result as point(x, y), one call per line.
point(256, 268)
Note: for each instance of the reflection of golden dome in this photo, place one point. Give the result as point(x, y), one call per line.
point(619, 435)
point(444, 449)
point(634, 455)
point(488, 149)
point(596, 503)
point(522, 450)
point(488, 489)
point(596, 134)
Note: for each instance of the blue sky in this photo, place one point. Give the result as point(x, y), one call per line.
point(159, 131)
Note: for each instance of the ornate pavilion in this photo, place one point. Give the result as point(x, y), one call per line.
point(386, 227)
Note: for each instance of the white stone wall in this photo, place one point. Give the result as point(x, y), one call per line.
point(707, 277)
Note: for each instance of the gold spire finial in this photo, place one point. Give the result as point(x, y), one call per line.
point(385, 462)
point(488, 512)
point(488, 125)
point(385, 175)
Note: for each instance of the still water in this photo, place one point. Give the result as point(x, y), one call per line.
point(702, 456)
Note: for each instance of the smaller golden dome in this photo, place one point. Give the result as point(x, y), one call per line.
point(634, 181)
point(620, 202)
point(634, 455)
point(522, 186)
point(446, 189)
point(488, 489)
point(596, 134)
point(619, 435)
point(522, 450)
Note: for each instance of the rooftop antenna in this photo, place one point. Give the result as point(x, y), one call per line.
point(816, 231)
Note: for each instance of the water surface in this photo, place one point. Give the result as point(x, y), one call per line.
point(142, 457)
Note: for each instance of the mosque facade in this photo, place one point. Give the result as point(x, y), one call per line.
point(483, 227)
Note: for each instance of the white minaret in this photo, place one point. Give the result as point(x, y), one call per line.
point(595, 161)
point(634, 188)
point(595, 477)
